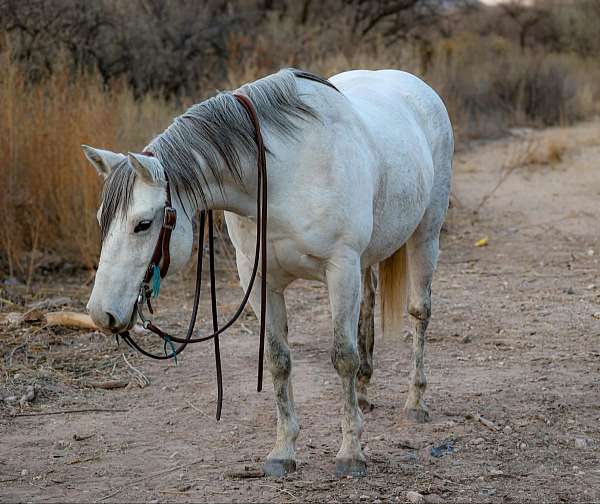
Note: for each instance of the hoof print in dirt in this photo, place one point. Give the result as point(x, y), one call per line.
point(347, 467)
point(417, 415)
point(278, 468)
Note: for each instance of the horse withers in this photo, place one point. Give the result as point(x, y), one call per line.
point(358, 174)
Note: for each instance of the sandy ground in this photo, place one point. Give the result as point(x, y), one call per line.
point(513, 338)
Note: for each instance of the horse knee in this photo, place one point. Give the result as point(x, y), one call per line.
point(280, 360)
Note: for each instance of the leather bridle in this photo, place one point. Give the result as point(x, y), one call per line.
point(159, 266)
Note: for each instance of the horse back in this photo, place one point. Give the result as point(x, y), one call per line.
point(408, 128)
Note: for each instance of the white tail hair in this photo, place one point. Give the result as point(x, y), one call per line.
point(393, 291)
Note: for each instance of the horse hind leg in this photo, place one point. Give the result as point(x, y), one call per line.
point(366, 333)
point(422, 250)
point(422, 257)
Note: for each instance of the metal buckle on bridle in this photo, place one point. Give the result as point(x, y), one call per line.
point(169, 218)
point(143, 297)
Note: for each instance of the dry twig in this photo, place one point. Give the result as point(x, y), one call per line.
point(517, 159)
point(140, 377)
point(144, 478)
point(12, 353)
point(281, 490)
point(108, 385)
point(65, 412)
point(194, 407)
point(484, 421)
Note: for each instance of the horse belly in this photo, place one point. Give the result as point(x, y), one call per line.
point(398, 209)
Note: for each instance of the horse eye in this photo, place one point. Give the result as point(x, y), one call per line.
point(142, 226)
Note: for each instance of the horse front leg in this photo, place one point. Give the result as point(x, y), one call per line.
point(366, 336)
point(344, 284)
point(282, 458)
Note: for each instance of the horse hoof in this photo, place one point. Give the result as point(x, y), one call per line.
point(350, 467)
point(278, 468)
point(417, 415)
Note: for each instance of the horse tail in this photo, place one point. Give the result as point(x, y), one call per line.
point(393, 281)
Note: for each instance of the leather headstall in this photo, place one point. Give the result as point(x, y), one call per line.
point(160, 261)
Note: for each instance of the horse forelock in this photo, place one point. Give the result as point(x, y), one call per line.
point(116, 195)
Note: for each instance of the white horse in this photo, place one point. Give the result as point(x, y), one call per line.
point(356, 176)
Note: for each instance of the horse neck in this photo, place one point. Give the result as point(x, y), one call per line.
point(230, 193)
point(240, 197)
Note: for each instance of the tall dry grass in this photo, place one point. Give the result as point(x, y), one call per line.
point(50, 197)
point(49, 192)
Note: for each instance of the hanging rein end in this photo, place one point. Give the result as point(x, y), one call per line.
point(260, 379)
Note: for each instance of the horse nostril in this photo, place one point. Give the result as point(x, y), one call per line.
point(112, 322)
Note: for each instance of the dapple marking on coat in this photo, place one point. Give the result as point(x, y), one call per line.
point(356, 178)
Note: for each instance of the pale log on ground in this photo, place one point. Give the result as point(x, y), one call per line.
point(70, 319)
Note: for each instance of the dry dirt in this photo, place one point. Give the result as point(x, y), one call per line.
point(513, 338)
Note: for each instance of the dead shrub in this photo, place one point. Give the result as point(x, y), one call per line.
point(547, 152)
point(490, 84)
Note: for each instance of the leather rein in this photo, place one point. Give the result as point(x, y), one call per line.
point(159, 266)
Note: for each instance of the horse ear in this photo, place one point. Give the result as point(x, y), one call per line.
point(104, 161)
point(147, 167)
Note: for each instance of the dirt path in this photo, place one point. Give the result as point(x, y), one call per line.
point(513, 338)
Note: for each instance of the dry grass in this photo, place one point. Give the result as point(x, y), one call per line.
point(550, 151)
point(50, 193)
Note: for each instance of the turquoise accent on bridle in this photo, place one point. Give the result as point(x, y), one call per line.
point(155, 281)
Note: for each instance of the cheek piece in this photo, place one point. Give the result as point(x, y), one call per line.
point(159, 266)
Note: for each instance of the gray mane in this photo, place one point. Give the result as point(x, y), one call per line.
point(218, 131)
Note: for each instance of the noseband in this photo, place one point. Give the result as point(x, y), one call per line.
point(159, 266)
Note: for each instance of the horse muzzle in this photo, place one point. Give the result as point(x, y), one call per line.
point(110, 319)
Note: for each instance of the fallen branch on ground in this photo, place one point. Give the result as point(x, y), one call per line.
point(247, 473)
point(65, 412)
point(108, 385)
point(69, 319)
point(488, 423)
